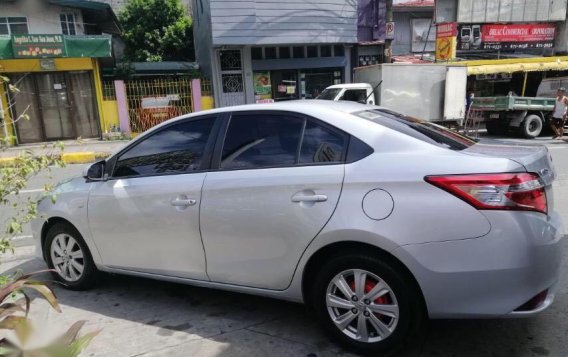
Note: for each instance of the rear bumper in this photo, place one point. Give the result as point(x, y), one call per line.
point(494, 275)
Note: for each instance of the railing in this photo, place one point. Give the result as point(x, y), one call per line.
point(153, 101)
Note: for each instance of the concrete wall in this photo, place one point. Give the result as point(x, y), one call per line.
point(402, 43)
point(236, 22)
point(43, 17)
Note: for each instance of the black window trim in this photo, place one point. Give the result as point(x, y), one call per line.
point(218, 151)
point(207, 152)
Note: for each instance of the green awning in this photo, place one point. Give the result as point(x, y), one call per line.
point(88, 46)
point(91, 46)
point(6, 48)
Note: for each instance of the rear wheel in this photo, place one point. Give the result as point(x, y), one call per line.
point(532, 126)
point(366, 304)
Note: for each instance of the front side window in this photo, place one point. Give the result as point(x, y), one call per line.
point(176, 149)
point(67, 24)
point(13, 26)
point(329, 94)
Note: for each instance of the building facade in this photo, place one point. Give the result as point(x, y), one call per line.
point(50, 50)
point(415, 30)
point(271, 50)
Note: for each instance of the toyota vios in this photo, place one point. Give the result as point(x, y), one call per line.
point(373, 219)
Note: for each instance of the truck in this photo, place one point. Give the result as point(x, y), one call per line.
point(526, 116)
point(437, 92)
point(431, 92)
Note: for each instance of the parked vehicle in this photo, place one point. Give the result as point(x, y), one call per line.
point(431, 92)
point(527, 116)
point(374, 219)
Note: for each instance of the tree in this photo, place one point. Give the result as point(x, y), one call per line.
point(157, 30)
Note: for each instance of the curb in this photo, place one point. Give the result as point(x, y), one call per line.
point(81, 157)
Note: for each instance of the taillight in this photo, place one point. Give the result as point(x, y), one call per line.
point(520, 192)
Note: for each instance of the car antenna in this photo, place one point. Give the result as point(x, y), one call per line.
point(373, 91)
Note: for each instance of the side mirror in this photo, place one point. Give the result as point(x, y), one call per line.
point(362, 101)
point(95, 172)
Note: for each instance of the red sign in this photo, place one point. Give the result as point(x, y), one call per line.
point(446, 29)
point(518, 32)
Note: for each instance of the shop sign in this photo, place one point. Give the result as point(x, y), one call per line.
point(38, 46)
point(506, 36)
point(446, 29)
point(47, 65)
point(262, 83)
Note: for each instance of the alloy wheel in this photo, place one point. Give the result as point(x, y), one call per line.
point(67, 257)
point(362, 306)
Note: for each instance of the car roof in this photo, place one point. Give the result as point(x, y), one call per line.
point(299, 106)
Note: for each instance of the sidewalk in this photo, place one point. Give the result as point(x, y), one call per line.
point(74, 152)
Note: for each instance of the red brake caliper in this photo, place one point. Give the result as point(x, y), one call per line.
point(369, 285)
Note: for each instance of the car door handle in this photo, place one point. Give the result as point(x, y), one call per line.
point(179, 202)
point(309, 198)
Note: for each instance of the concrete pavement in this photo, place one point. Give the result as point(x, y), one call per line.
point(140, 317)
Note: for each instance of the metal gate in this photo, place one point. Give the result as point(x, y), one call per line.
point(232, 79)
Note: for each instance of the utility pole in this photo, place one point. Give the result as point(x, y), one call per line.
point(389, 18)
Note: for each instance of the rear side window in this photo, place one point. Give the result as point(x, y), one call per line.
point(261, 140)
point(418, 129)
point(275, 140)
point(355, 95)
point(321, 145)
point(177, 148)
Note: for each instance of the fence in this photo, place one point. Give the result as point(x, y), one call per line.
point(153, 101)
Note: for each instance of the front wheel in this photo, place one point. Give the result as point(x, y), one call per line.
point(532, 126)
point(366, 303)
point(69, 257)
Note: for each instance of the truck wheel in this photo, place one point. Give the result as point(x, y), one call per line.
point(495, 128)
point(531, 126)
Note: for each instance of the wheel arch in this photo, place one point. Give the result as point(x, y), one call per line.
point(347, 247)
point(50, 222)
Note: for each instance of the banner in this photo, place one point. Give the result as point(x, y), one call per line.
point(446, 29)
point(506, 36)
point(38, 46)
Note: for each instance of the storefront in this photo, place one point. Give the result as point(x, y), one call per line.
point(57, 98)
point(279, 73)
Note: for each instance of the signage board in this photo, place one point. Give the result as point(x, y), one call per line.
point(446, 29)
point(446, 48)
point(38, 46)
point(506, 36)
point(389, 31)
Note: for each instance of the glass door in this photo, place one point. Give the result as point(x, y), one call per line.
point(55, 106)
point(26, 110)
point(82, 100)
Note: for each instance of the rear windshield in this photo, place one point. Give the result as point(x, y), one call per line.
point(418, 129)
point(329, 94)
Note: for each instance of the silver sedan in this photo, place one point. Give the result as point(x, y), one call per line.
point(375, 220)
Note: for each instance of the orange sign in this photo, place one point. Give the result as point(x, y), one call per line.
point(446, 48)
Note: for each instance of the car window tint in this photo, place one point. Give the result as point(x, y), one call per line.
point(418, 129)
point(355, 95)
point(321, 145)
point(176, 149)
point(261, 140)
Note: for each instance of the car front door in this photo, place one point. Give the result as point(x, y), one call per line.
point(145, 218)
point(277, 183)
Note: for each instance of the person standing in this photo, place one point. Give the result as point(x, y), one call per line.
point(559, 113)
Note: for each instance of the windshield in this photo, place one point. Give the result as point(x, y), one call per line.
point(329, 94)
point(418, 129)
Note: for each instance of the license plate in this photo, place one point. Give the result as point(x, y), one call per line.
point(494, 116)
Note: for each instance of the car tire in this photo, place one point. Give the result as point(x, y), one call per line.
point(532, 126)
point(402, 301)
point(68, 255)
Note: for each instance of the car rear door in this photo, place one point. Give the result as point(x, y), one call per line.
point(278, 180)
